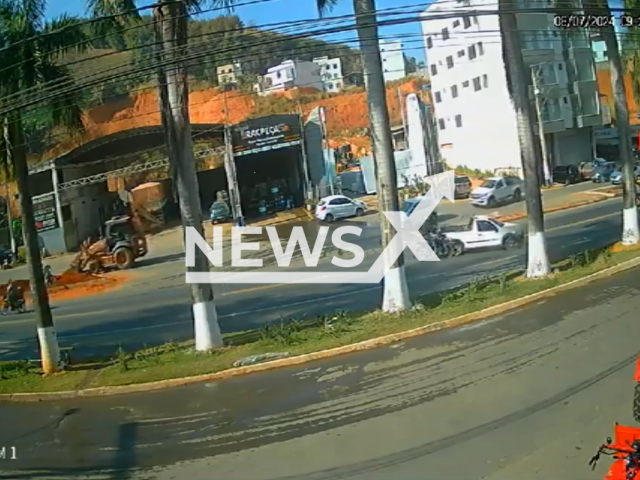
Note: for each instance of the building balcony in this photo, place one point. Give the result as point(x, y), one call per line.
point(589, 120)
point(585, 87)
point(552, 126)
point(532, 55)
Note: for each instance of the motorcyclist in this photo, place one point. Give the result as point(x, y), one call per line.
point(14, 295)
point(48, 275)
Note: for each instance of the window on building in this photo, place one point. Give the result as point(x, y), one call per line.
point(293, 73)
point(458, 121)
point(476, 84)
point(480, 48)
point(338, 85)
point(465, 84)
point(460, 53)
point(330, 86)
point(583, 68)
point(485, 81)
point(454, 91)
point(565, 100)
point(472, 52)
point(445, 34)
point(434, 69)
point(449, 61)
point(278, 74)
point(456, 23)
point(560, 67)
point(475, 20)
point(429, 42)
point(441, 123)
point(467, 22)
point(438, 97)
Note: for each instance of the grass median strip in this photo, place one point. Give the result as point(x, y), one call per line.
point(176, 360)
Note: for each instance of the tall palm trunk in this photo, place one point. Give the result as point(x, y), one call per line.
point(538, 261)
point(49, 350)
point(180, 145)
point(396, 294)
point(630, 227)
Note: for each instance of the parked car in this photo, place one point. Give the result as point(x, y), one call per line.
point(334, 207)
point(602, 172)
point(219, 212)
point(567, 174)
point(587, 168)
point(616, 177)
point(482, 231)
point(497, 190)
point(463, 186)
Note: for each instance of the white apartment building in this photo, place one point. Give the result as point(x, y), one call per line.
point(476, 119)
point(230, 73)
point(290, 74)
point(392, 60)
point(331, 72)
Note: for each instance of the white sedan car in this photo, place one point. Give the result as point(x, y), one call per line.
point(338, 206)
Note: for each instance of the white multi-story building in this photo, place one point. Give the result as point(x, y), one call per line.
point(476, 119)
point(290, 74)
point(392, 60)
point(331, 72)
point(229, 74)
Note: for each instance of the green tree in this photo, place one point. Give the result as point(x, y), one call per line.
point(29, 50)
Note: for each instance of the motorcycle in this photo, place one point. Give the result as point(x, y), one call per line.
point(626, 452)
point(442, 245)
point(10, 306)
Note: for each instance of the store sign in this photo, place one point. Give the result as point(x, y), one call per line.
point(44, 209)
point(605, 133)
point(267, 133)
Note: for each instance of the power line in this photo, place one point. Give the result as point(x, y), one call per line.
point(482, 36)
point(455, 13)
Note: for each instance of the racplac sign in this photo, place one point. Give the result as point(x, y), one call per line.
point(266, 133)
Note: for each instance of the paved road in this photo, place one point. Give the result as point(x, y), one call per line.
point(156, 309)
point(527, 395)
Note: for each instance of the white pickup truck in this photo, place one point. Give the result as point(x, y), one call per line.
point(482, 232)
point(497, 190)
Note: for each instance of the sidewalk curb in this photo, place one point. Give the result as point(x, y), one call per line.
point(333, 352)
point(559, 208)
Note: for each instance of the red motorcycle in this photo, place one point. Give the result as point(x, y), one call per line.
point(625, 449)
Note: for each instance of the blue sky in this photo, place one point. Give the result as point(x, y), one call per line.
point(273, 11)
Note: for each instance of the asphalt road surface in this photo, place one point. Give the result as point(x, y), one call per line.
point(156, 309)
point(526, 395)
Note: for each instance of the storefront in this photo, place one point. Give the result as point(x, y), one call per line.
point(270, 168)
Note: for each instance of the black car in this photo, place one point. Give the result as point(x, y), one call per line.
point(567, 174)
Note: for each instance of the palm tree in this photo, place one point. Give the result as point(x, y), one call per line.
point(630, 226)
point(537, 259)
point(396, 296)
point(170, 22)
point(29, 65)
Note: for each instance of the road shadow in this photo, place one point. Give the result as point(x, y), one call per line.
point(149, 262)
point(124, 461)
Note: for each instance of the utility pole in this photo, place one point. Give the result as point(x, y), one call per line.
point(543, 142)
point(538, 260)
point(172, 18)
point(230, 169)
point(7, 142)
point(305, 159)
point(396, 293)
point(403, 117)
